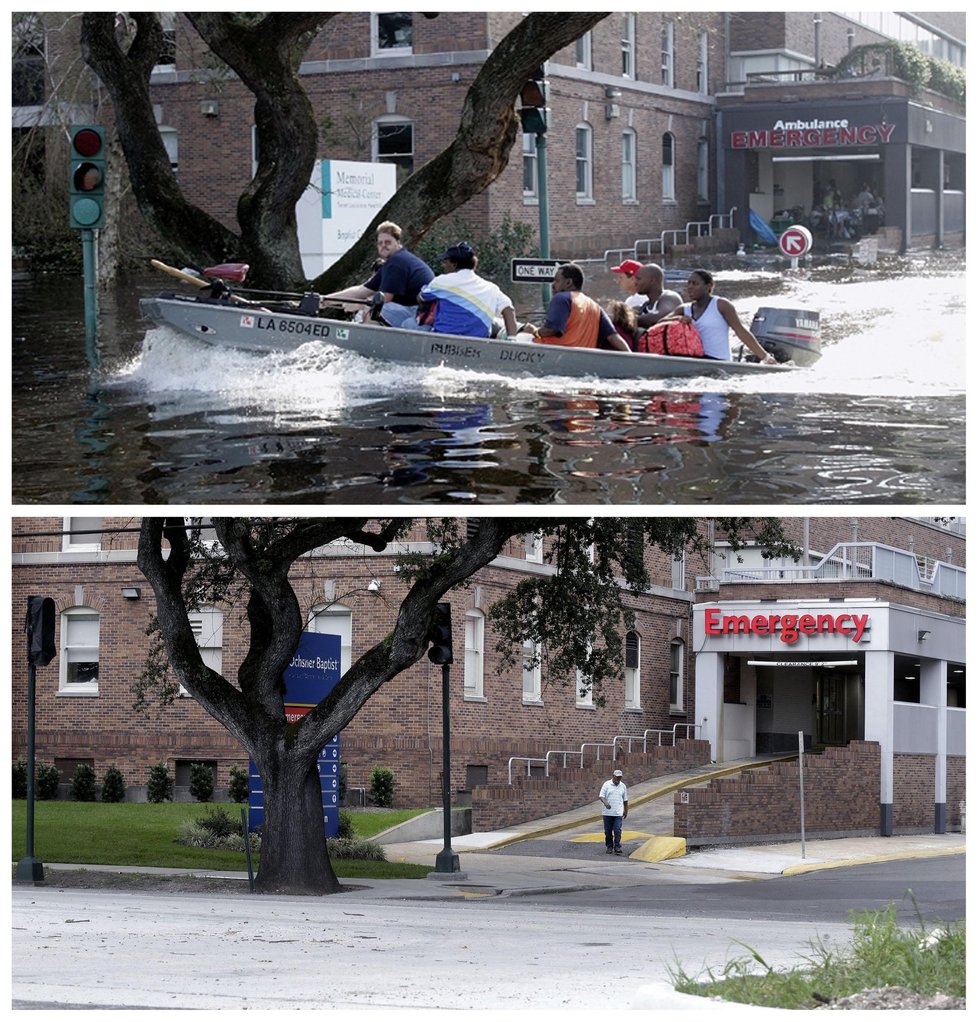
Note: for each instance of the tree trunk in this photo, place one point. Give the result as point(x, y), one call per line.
point(293, 851)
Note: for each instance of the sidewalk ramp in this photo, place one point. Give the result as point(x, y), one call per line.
point(656, 849)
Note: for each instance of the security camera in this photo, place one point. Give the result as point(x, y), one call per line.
point(374, 587)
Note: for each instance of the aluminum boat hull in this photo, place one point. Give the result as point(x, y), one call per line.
point(250, 329)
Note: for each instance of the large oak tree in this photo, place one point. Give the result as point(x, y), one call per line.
point(578, 613)
point(265, 52)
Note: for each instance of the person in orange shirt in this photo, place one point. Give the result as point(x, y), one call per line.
point(574, 320)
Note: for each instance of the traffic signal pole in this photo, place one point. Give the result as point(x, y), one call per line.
point(441, 652)
point(446, 861)
point(90, 276)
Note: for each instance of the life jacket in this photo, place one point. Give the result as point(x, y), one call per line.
point(672, 338)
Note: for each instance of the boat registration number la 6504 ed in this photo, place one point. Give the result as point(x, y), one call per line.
point(285, 325)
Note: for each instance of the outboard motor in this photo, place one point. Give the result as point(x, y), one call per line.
point(790, 335)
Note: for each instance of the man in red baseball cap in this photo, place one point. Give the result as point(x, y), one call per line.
point(627, 271)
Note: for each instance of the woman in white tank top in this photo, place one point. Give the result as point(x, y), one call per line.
point(714, 318)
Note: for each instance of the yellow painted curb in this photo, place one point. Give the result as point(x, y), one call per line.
point(626, 835)
point(658, 848)
point(926, 853)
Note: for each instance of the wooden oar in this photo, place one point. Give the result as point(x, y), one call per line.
point(189, 278)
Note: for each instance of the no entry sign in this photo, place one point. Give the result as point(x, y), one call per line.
point(796, 241)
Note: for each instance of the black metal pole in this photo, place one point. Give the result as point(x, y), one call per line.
point(446, 861)
point(30, 870)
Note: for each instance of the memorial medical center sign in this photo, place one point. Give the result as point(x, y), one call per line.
point(807, 134)
point(788, 627)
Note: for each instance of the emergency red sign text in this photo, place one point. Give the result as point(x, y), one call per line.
point(804, 134)
point(790, 626)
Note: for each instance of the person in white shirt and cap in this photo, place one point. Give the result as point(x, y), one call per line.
point(614, 798)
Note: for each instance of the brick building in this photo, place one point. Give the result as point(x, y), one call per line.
point(642, 111)
point(505, 721)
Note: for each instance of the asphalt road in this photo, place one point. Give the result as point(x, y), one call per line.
point(933, 887)
point(577, 950)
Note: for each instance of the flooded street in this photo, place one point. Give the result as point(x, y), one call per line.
point(152, 418)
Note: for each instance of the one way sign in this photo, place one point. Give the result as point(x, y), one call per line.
point(534, 269)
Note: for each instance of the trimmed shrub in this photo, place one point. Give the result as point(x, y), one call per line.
point(82, 786)
point(382, 787)
point(159, 786)
point(19, 788)
point(354, 848)
point(216, 829)
point(346, 825)
point(201, 782)
point(113, 785)
point(46, 780)
point(238, 785)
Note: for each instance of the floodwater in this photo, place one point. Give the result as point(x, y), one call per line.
point(147, 417)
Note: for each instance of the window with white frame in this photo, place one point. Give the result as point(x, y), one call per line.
point(530, 173)
point(703, 169)
point(633, 671)
point(335, 619)
point(207, 624)
point(629, 192)
point(532, 685)
point(475, 626)
point(582, 51)
point(584, 691)
point(533, 547)
point(679, 571)
point(668, 167)
point(79, 651)
point(677, 659)
point(585, 170)
point(82, 534)
point(393, 140)
point(392, 35)
point(628, 46)
point(703, 65)
point(669, 54)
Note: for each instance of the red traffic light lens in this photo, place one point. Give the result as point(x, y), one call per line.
point(87, 142)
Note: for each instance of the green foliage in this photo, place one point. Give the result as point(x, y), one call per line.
point(238, 785)
point(511, 239)
point(113, 785)
point(346, 825)
point(382, 787)
point(921, 959)
point(159, 786)
point(906, 62)
point(19, 786)
point(216, 829)
point(342, 787)
point(46, 780)
point(201, 782)
point(355, 848)
point(82, 786)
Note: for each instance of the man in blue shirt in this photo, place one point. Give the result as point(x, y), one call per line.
point(399, 278)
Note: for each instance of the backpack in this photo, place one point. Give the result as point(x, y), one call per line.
point(672, 338)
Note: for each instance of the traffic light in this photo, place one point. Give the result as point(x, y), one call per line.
point(40, 630)
point(86, 177)
point(440, 635)
point(533, 103)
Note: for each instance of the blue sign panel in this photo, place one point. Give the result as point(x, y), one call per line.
point(312, 675)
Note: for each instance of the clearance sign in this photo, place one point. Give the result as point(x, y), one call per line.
point(812, 134)
point(788, 627)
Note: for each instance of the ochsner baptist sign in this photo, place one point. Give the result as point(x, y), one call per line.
point(812, 134)
point(788, 627)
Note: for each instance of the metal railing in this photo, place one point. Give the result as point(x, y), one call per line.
point(673, 734)
point(645, 248)
point(847, 561)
